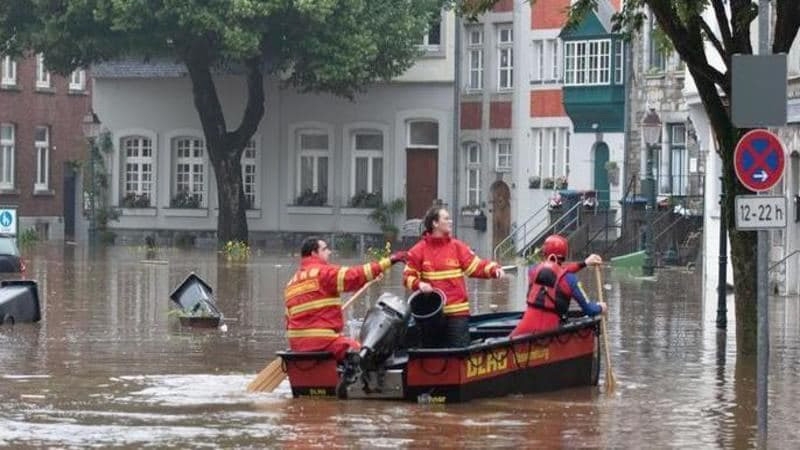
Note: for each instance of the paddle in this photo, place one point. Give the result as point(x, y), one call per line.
point(610, 381)
point(271, 376)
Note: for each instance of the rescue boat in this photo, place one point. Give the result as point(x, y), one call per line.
point(391, 365)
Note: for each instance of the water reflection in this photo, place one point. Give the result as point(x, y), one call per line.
point(109, 366)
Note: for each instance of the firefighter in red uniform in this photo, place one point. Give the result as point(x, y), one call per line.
point(439, 261)
point(551, 286)
point(313, 304)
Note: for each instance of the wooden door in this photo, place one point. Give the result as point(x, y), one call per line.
point(501, 212)
point(421, 180)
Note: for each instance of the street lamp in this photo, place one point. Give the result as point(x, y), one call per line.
point(91, 130)
point(651, 131)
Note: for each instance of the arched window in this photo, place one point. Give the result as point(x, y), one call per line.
point(367, 184)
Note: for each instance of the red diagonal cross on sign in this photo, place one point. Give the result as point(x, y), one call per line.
point(759, 160)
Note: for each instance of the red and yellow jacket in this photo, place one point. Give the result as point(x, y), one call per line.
point(443, 262)
point(312, 296)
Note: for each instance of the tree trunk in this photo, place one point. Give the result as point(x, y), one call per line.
point(743, 243)
point(225, 148)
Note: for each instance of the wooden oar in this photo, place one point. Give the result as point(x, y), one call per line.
point(271, 376)
point(610, 381)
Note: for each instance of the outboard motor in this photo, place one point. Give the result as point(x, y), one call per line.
point(381, 334)
point(382, 331)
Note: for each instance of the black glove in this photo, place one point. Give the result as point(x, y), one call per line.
point(397, 257)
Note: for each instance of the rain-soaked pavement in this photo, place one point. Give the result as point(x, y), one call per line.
point(109, 367)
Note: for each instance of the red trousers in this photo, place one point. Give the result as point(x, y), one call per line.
point(338, 346)
point(535, 320)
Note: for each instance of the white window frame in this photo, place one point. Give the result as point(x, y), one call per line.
point(42, 152)
point(42, 75)
point(505, 57)
point(77, 80)
point(426, 42)
point(316, 155)
point(619, 61)
point(538, 61)
point(9, 72)
point(472, 157)
point(502, 152)
point(554, 51)
point(139, 146)
point(431, 145)
point(7, 153)
point(567, 137)
point(587, 63)
point(371, 155)
point(539, 152)
point(553, 157)
point(474, 58)
point(195, 184)
point(249, 163)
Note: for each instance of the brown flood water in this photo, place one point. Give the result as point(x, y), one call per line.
point(108, 367)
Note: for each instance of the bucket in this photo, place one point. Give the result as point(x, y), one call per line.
point(426, 306)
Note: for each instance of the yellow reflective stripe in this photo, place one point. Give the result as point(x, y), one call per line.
point(490, 268)
point(385, 263)
point(340, 279)
point(313, 272)
point(303, 287)
point(368, 271)
point(311, 332)
point(316, 304)
point(443, 274)
point(456, 308)
point(410, 282)
point(472, 266)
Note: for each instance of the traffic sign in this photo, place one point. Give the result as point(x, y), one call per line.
point(8, 220)
point(760, 212)
point(759, 160)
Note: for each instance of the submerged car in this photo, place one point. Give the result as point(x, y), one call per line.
point(10, 258)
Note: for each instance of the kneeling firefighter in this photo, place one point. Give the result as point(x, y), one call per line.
point(551, 286)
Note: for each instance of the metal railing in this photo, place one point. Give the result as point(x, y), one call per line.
point(523, 233)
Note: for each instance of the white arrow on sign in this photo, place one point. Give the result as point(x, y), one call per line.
point(762, 175)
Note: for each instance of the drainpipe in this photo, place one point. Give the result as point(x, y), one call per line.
point(455, 210)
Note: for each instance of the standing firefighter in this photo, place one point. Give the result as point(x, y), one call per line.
point(439, 261)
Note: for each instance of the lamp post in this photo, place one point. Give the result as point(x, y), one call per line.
point(651, 131)
point(91, 129)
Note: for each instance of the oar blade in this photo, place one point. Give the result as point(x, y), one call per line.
point(269, 378)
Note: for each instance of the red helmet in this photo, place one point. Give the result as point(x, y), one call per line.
point(555, 245)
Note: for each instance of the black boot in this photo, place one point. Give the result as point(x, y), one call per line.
point(351, 370)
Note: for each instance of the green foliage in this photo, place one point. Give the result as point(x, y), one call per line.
point(185, 200)
point(385, 214)
point(28, 238)
point(311, 198)
point(374, 254)
point(236, 251)
point(96, 184)
point(366, 199)
point(134, 200)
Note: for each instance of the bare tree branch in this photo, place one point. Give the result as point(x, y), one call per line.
point(786, 25)
point(722, 23)
point(712, 38)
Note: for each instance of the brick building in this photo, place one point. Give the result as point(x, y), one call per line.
point(41, 144)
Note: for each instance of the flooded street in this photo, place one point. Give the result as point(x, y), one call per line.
point(109, 367)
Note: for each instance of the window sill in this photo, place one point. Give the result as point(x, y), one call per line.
point(9, 191)
point(45, 90)
point(356, 211)
point(77, 92)
point(185, 212)
point(11, 87)
point(43, 193)
point(294, 209)
point(250, 213)
point(139, 212)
